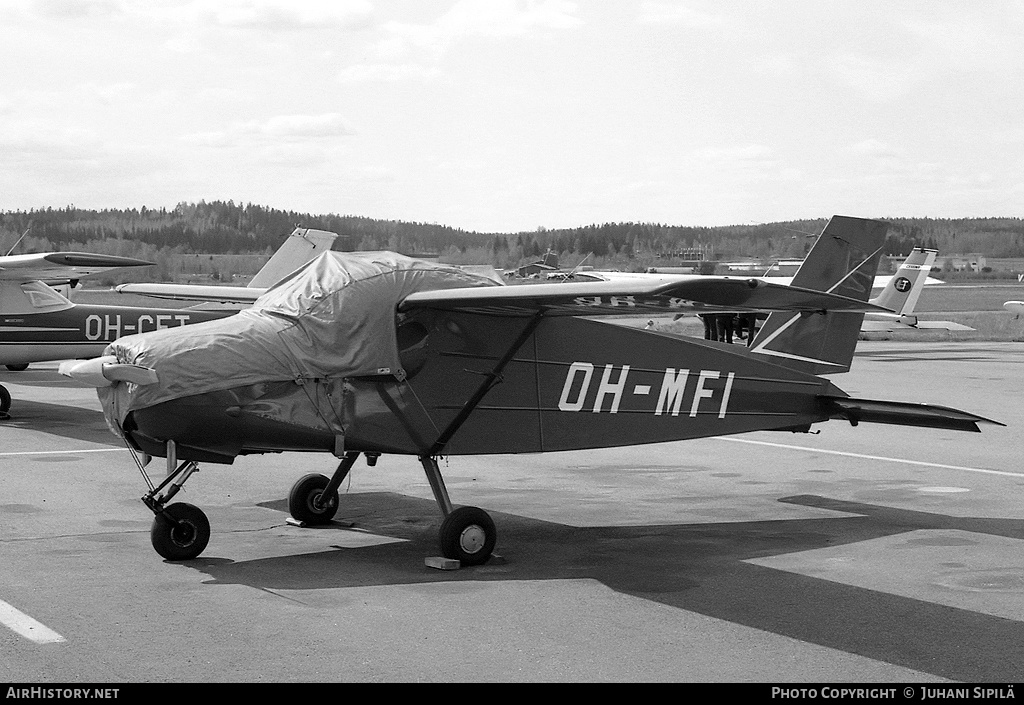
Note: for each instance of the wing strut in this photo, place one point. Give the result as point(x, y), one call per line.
point(491, 379)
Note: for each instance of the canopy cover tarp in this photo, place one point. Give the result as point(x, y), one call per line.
point(331, 319)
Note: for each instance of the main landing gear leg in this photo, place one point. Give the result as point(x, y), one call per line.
point(313, 499)
point(467, 533)
point(180, 531)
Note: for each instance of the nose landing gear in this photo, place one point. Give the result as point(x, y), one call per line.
point(180, 531)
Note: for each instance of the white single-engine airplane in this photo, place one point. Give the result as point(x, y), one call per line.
point(379, 353)
point(38, 324)
point(901, 294)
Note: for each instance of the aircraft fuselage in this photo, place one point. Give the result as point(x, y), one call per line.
point(83, 331)
point(573, 383)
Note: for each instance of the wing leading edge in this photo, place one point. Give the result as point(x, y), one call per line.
point(697, 294)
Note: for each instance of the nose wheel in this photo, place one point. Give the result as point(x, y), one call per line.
point(180, 532)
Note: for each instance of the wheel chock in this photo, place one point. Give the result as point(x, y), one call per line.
point(442, 563)
point(333, 522)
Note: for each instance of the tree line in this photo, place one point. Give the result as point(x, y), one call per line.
point(165, 236)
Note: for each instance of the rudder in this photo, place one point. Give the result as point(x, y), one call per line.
point(843, 261)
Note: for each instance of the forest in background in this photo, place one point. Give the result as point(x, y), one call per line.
point(174, 238)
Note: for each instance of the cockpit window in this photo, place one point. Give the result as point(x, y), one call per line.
point(39, 295)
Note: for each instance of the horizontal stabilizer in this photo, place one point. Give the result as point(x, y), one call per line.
point(193, 292)
point(903, 414)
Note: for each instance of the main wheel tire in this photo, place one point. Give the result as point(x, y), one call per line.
point(18, 368)
point(5, 400)
point(468, 534)
point(180, 532)
point(303, 498)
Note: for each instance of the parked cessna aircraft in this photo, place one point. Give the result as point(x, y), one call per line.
point(40, 324)
point(378, 353)
point(901, 294)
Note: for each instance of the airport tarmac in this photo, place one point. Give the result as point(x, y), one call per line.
point(878, 554)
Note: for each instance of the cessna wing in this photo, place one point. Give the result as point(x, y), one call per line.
point(61, 267)
point(693, 294)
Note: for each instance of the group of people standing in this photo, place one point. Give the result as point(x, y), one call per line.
point(723, 326)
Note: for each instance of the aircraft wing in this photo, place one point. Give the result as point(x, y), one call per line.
point(61, 267)
point(194, 292)
point(695, 294)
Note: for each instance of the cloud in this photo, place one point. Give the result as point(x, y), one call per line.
point(303, 126)
point(676, 13)
point(875, 148)
point(273, 14)
point(76, 9)
point(492, 19)
point(737, 155)
point(61, 148)
point(280, 128)
point(411, 51)
point(387, 73)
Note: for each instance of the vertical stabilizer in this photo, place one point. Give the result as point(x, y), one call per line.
point(843, 261)
point(904, 289)
point(300, 247)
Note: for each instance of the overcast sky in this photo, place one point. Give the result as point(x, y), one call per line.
point(507, 115)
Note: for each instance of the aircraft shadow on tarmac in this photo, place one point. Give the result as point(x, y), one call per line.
point(696, 567)
point(61, 420)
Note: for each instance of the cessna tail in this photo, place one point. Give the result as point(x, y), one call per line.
point(904, 289)
point(902, 293)
point(842, 261)
point(300, 247)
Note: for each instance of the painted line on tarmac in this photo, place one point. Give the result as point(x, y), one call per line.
point(61, 452)
point(20, 623)
point(873, 457)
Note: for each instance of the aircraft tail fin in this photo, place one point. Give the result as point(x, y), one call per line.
point(301, 246)
point(904, 289)
point(843, 261)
